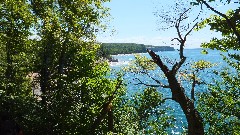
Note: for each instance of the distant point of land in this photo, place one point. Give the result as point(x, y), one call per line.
point(108, 49)
point(129, 48)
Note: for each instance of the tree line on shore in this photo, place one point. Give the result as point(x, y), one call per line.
point(129, 48)
point(108, 49)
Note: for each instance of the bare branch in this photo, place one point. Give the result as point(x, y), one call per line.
point(176, 39)
point(148, 85)
point(151, 85)
point(181, 40)
point(177, 25)
point(157, 81)
point(185, 37)
point(183, 14)
point(167, 99)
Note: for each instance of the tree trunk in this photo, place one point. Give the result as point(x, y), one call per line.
point(110, 119)
point(195, 125)
point(45, 74)
point(9, 70)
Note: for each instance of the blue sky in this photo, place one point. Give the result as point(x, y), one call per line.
point(134, 22)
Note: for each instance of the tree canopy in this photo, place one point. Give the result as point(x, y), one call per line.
point(220, 104)
point(48, 47)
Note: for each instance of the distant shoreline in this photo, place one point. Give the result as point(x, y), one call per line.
point(109, 49)
point(129, 48)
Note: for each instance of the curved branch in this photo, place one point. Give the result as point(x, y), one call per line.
point(177, 25)
point(176, 39)
point(167, 99)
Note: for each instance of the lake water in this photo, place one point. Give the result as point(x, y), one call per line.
point(192, 55)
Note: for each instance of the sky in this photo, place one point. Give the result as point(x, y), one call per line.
point(133, 21)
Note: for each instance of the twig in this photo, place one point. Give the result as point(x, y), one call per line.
point(151, 85)
point(157, 81)
point(190, 31)
point(167, 99)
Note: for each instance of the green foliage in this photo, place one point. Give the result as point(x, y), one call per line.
point(51, 78)
point(141, 64)
point(219, 24)
point(204, 51)
point(153, 117)
point(195, 70)
point(201, 65)
point(144, 114)
point(16, 61)
point(71, 78)
point(219, 106)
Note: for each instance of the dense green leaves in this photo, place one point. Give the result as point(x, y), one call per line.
point(144, 113)
point(219, 24)
point(50, 45)
point(220, 104)
point(52, 80)
point(141, 64)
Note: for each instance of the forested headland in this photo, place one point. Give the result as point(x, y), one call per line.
point(129, 48)
point(108, 49)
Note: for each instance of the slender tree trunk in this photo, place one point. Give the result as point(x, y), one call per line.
point(44, 82)
point(195, 125)
point(110, 119)
point(61, 65)
point(9, 74)
point(45, 73)
point(9, 70)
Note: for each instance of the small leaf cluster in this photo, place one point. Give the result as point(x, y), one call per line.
point(140, 64)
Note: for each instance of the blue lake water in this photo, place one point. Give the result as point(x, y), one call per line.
point(192, 55)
